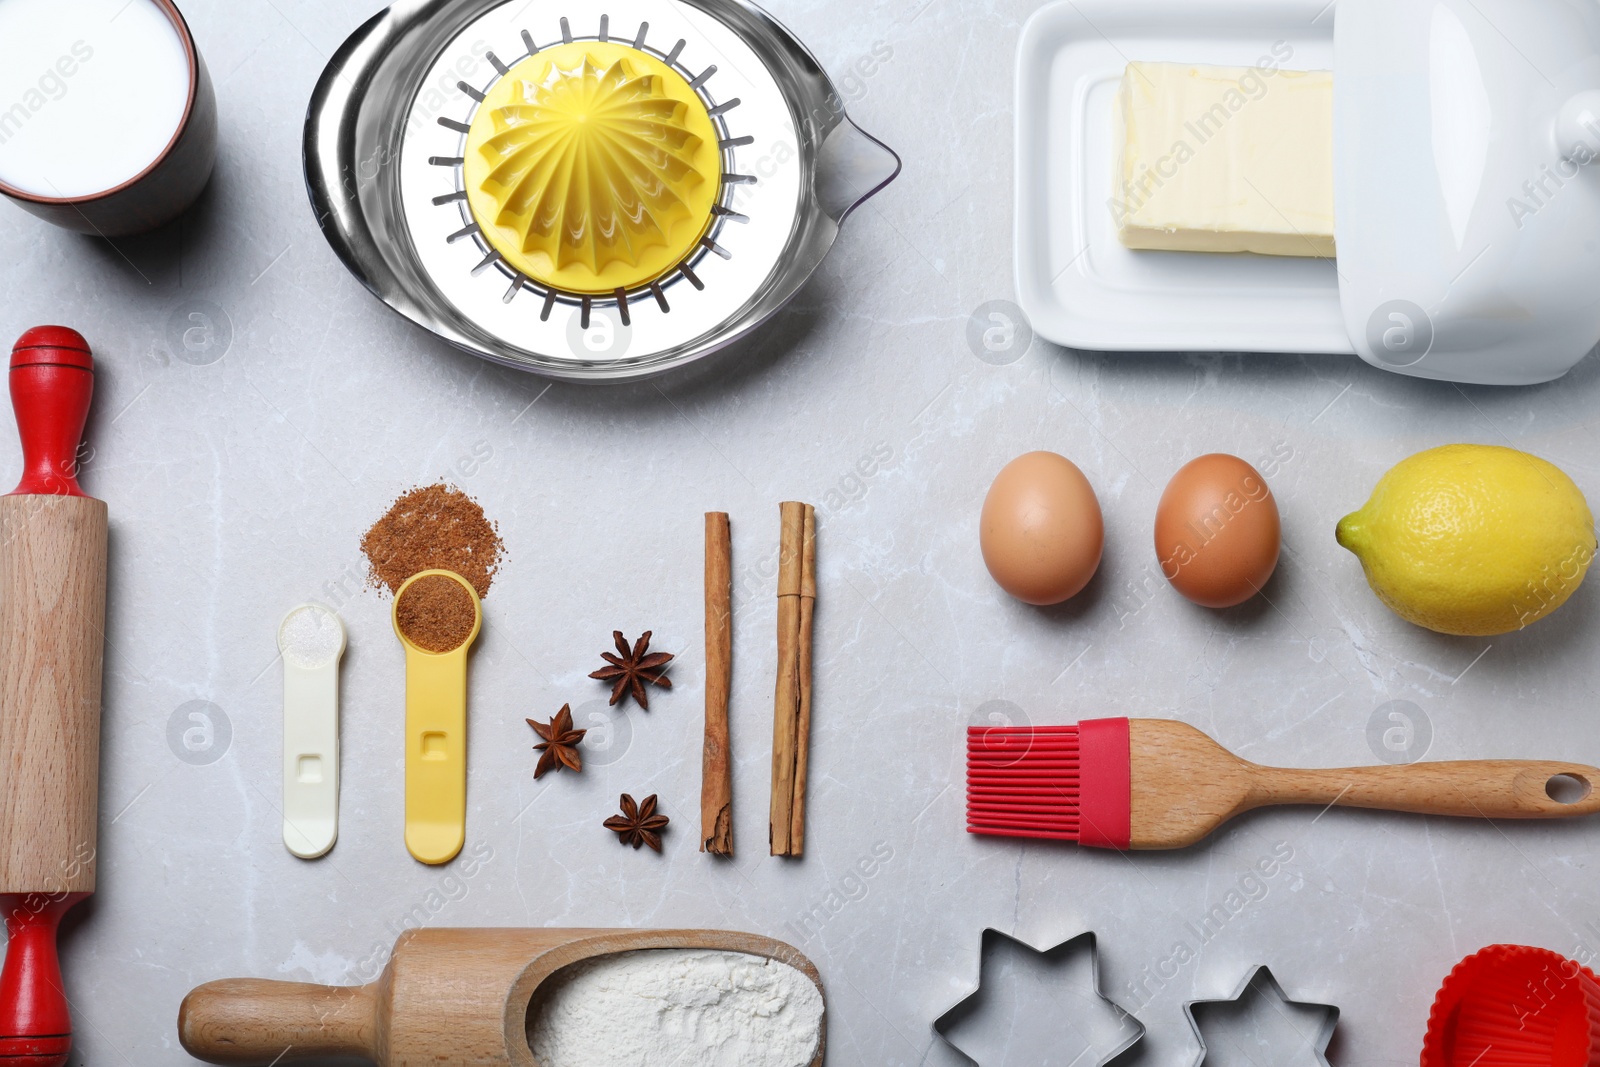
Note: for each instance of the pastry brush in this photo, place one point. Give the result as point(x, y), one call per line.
point(1155, 783)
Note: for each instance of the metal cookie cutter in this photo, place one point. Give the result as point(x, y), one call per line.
point(1261, 980)
point(1130, 1031)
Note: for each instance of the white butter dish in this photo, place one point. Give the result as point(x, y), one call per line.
point(1076, 282)
point(1467, 225)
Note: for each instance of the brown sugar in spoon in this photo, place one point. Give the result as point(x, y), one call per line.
point(437, 617)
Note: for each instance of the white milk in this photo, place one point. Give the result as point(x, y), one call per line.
point(91, 92)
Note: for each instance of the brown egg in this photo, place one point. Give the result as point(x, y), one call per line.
point(1217, 531)
point(1041, 530)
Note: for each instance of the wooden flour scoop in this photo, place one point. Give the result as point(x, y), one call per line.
point(446, 997)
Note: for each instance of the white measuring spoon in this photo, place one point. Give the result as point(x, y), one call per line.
point(312, 639)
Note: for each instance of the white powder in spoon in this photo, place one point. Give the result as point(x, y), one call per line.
point(310, 636)
point(676, 1008)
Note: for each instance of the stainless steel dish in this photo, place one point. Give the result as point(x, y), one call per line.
point(382, 145)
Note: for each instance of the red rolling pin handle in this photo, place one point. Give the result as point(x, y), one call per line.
point(52, 381)
point(35, 1020)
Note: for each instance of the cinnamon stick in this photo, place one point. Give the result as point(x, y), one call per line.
point(802, 729)
point(716, 774)
point(791, 718)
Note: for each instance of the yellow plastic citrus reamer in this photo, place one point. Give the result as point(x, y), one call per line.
point(592, 166)
point(436, 732)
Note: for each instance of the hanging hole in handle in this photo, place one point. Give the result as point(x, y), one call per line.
point(1567, 788)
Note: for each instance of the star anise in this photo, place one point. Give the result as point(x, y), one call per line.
point(638, 824)
point(560, 744)
point(632, 669)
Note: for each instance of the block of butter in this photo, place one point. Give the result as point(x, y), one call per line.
point(1225, 159)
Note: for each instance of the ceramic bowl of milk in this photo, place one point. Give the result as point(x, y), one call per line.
point(108, 122)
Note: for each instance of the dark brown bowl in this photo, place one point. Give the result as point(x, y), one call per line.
point(163, 190)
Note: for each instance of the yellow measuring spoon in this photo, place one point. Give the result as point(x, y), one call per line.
point(437, 617)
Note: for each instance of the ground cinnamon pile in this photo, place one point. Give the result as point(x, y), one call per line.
point(433, 526)
point(436, 613)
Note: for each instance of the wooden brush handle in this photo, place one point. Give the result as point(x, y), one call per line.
point(1495, 789)
point(255, 1021)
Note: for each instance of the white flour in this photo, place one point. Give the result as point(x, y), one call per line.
point(676, 1008)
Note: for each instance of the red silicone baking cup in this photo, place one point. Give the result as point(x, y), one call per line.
point(1515, 1006)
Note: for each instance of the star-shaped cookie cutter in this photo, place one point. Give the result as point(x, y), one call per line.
point(954, 1012)
point(1264, 982)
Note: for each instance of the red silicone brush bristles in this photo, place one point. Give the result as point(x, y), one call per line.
point(1022, 781)
point(1063, 783)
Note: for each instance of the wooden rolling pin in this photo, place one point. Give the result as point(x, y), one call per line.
point(52, 621)
point(446, 997)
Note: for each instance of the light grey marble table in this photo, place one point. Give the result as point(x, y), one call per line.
point(240, 487)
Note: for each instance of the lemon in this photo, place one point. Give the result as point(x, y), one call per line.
point(1472, 539)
